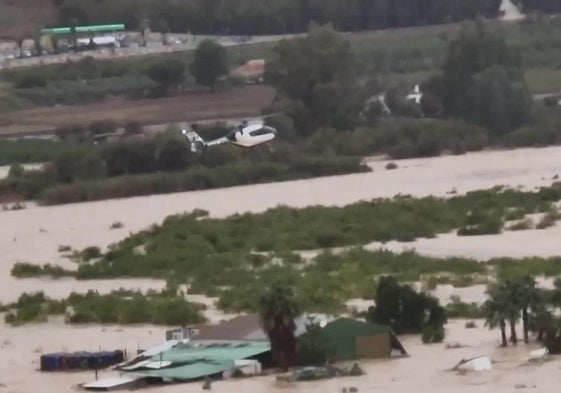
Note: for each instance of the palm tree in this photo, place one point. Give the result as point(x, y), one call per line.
point(495, 310)
point(512, 295)
point(277, 311)
point(530, 299)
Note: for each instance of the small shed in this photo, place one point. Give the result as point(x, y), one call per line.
point(251, 72)
point(351, 339)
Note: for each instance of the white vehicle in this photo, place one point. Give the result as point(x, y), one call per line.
point(245, 135)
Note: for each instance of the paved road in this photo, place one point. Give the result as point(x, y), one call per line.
point(153, 48)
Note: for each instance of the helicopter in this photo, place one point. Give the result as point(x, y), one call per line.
point(245, 135)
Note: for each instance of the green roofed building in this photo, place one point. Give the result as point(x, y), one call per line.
point(196, 359)
point(351, 339)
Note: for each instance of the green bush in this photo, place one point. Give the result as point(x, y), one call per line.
point(427, 334)
point(431, 335)
point(124, 307)
point(548, 220)
point(90, 253)
point(30, 150)
point(31, 78)
point(459, 309)
point(521, 225)
point(26, 270)
point(194, 178)
point(312, 347)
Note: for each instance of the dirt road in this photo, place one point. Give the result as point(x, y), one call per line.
point(236, 102)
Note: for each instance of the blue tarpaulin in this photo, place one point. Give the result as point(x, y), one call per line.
point(80, 360)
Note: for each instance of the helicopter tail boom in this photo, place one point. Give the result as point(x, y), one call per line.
point(198, 144)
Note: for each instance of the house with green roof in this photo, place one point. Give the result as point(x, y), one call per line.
point(352, 339)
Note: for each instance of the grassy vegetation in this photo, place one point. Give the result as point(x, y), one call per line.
point(199, 178)
point(86, 172)
point(163, 165)
point(403, 138)
point(215, 255)
point(458, 309)
point(123, 307)
point(321, 285)
point(284, 228)
point(34, 307)
point(25, 270)
point(31, 150)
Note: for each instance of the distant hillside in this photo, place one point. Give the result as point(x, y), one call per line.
point(24, 17)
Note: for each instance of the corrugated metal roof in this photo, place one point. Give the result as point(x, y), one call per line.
point(188, 371)
point(160, 348)
point(197, 359)
point(110, 383)
point(214, 351)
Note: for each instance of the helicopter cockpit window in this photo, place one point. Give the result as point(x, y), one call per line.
point(261, 131)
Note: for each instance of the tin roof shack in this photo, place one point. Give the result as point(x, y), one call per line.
point(351, 339)
point(242, 327)
point(197, 359)
point(185, 332)
point(248, 328)
point(251, 72)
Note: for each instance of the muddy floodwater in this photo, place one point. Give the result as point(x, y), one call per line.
point(35, 233)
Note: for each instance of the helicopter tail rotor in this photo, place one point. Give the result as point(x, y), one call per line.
point(198, 145)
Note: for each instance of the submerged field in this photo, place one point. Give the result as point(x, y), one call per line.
point(34, 234)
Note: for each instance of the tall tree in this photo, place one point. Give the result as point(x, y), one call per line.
point(403, 309)
point(210, 62)
point(481, 80)
point(143, 26)
point(318, 76)
point(168, 73)
point(495, 310)
point(530, 300)
point(277, 311)
point(312, 346)
point(163, 28)
point(496, 101)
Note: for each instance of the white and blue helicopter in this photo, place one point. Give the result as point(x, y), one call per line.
point(245, 135)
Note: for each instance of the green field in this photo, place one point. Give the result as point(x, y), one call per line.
point(215, 255)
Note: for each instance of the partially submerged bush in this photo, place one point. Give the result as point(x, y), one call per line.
point(125, 307)
point(27, 270)
point(548, 220)
point(521, 225)
point(90, 253)
point(432, 335)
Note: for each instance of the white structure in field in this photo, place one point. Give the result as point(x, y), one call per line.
point(416, 96)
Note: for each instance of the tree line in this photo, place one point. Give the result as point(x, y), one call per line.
point(519, 299)
point(272, 17)
point(546, 6)
point(481, 81)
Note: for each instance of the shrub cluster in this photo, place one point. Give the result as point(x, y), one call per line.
point(123, 307)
